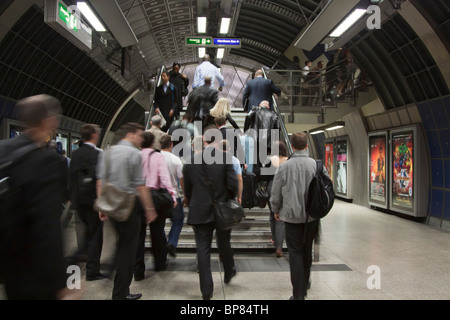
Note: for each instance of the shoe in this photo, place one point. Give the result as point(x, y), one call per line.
point(292, 298)
point(136, 296)
point(162, 268)
point(207, 296)
point(227, 279)
point(139, 277)
point(98, 276)
point(171, 250)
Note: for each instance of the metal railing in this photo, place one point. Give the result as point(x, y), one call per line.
point(312, 91)
point(151, 112)
point(283, 130)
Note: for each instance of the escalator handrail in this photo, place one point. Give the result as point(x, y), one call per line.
point(281, 122)
point(152, 104)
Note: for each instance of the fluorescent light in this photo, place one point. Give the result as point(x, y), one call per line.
point(225, 25)
point(90, 16)
point(317, 131)
point(348, 22)
point(201, 52)
point(335, 127)
point(201, 24)
point(220, 53)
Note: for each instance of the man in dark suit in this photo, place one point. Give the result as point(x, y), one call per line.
point(202, 99)
point(166, 97)
point(202, 181)
point(32, 262)
point(259, 89)
point(82, 186)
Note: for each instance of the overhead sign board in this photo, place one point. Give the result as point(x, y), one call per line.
point(66, 20)
point(198, 41)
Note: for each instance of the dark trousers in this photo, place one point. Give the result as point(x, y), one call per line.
point(159, 247)
point(127, 242)
point(203, 239)
point(300, 254)
point(92, 239)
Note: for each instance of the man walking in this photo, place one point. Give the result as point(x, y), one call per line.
point(207, 69)
point(125, 172)
point(259, 89)
point(288, 200)
point(166, 98)
point(82, 187)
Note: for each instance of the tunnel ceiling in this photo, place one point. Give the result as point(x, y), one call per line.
point(267, 29)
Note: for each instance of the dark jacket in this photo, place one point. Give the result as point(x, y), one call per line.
point(210, 121)
point(262, 118)
point(224, 186)
point(201, 100)
point(166, 101)
point(257, 90)
point(35, 266)
point(84, 162)
point(181, 84)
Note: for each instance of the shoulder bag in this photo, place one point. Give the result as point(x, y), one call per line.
point(227, 214)
point(114, 202)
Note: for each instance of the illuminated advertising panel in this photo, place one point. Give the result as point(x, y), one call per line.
point(377, 169)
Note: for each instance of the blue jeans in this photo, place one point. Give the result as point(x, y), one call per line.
point(177, 223)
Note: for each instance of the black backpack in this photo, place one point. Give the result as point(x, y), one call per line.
point(320, 194)
point(86, 180)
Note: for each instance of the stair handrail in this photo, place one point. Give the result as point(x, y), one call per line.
point(151, 112)
point(281, 122)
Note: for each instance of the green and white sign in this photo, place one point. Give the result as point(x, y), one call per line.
point(66, 20)
point(198, 41)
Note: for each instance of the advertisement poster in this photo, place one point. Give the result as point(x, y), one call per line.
point(329, 159)
point(402, 170)
point(377, 156)
point(341, 167)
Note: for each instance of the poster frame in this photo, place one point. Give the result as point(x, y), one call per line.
point(381, 134)
point(416, 164)
point(337, 140)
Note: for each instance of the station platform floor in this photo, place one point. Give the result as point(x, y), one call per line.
point(411, 262)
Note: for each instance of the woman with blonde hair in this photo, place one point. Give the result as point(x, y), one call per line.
point(221, 109)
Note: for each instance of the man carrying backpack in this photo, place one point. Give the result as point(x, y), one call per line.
point(289, 202)
point(82, 188)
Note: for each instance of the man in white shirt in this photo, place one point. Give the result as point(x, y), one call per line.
point(207, 69)
point(175, 166)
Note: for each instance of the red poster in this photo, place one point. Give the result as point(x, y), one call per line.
point(329, 159)
point(402, 170)
point(377, 184)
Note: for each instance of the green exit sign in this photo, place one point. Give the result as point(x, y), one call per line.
point(198, 41)
point(69, 18)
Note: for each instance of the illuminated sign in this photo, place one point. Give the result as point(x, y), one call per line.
point(196, 41)
point(66, 20)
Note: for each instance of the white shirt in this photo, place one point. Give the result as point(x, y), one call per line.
point(207, 69)
point(175, 167)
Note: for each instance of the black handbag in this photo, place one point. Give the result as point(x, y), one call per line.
point(227, 214)
point(163, 202)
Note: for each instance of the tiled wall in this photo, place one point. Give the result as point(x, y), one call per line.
point(436, 121)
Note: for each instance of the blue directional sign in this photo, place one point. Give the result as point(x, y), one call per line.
point(227, 42)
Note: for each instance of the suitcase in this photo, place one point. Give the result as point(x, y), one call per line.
point(248, 192)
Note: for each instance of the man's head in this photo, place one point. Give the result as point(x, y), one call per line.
point(41, 114)
point(165, 77)
point(299, 141)
point(166, 142)
point(308, 63)
point(206, 57)
point(149, 139)
point(211, 135)
point(176, 67)
point(156, 121)
point(90, 133)
point(265, 104)
point(320, 64)
point(220, 121)
point(259, 73)
point(225, 145)
point(133, 132)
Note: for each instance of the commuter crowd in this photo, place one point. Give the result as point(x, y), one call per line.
point(148, 167)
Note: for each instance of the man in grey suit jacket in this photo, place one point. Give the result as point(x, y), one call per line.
point(259, 89)
point(197, 177)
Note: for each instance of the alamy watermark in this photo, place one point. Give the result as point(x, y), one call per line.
point(374, 280)
point(374, 21)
